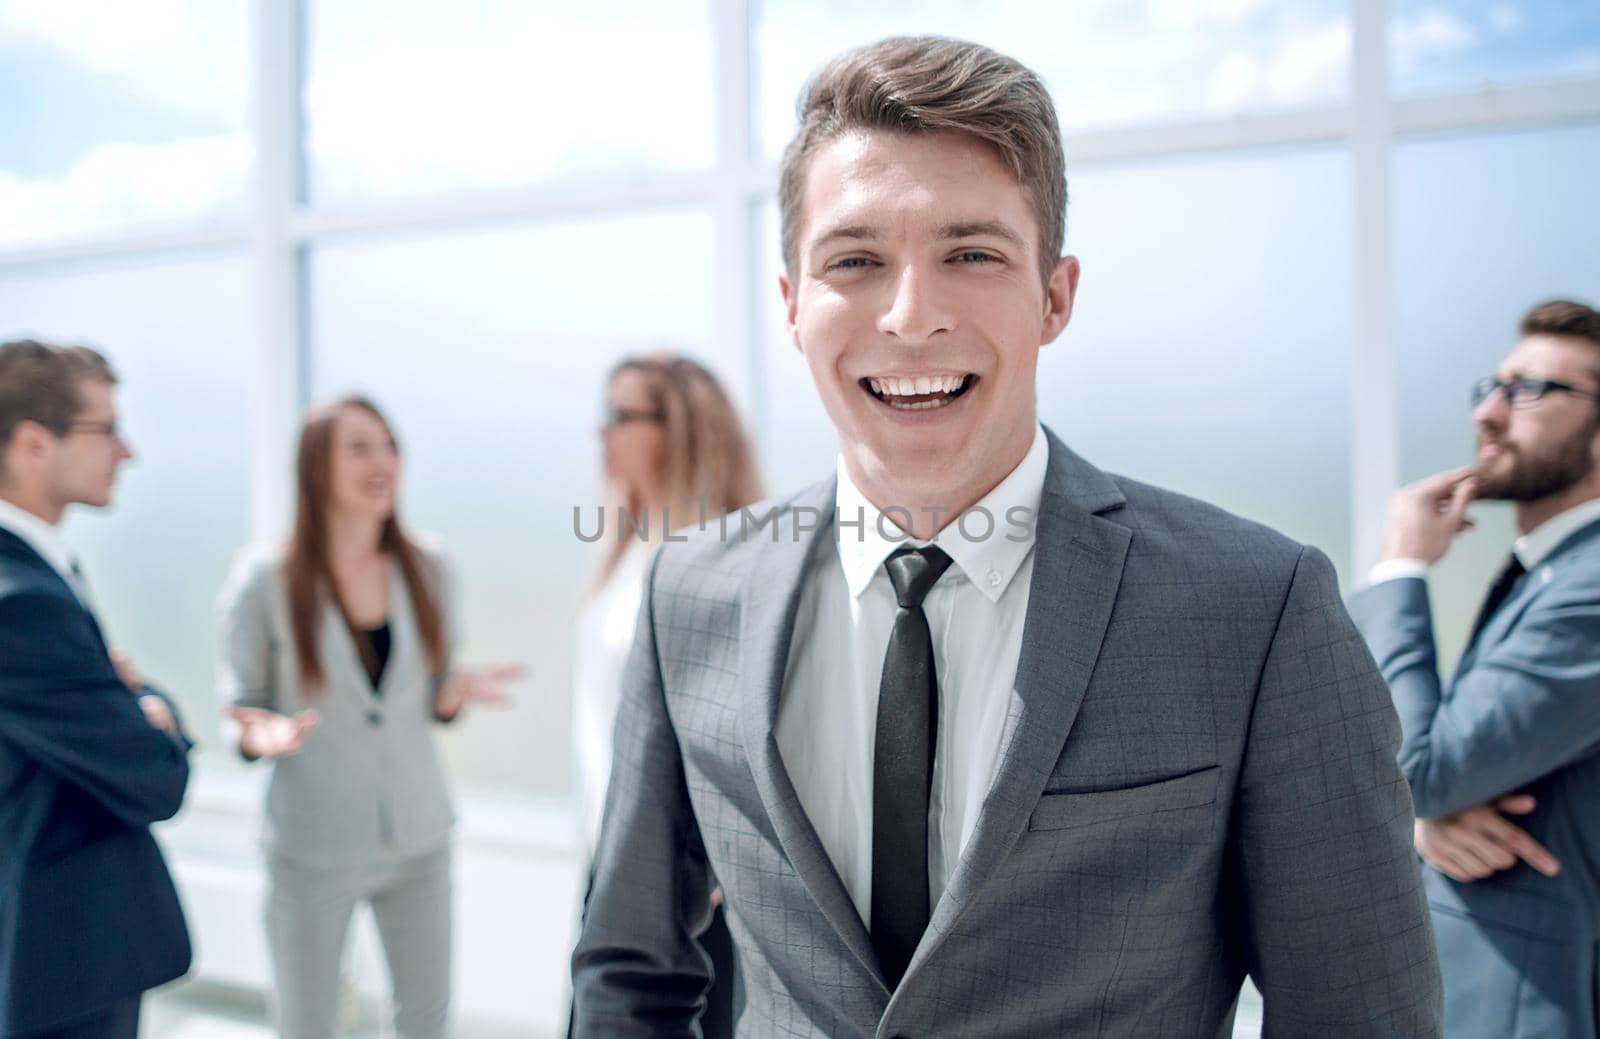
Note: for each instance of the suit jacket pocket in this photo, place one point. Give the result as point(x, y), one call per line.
point(1065, 811)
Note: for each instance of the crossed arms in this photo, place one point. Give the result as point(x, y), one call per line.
point(64, 705)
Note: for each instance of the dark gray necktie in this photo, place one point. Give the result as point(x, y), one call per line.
point(902, 765)
point(1504, 583)
point(81, 587)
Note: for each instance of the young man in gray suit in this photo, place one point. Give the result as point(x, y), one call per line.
point(976, 738)
point(1517, 726)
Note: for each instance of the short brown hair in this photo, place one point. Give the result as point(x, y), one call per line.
point(930, 84)
point(41, 382)
point(1562, 317)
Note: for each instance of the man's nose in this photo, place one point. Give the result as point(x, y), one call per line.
point(1494, 410)
point(917, 310)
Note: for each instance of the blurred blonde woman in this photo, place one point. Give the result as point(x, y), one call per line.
point(671, 438)
point(673, 444)
point(336, 662)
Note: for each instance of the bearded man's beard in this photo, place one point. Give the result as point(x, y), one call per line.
point(1531, 476)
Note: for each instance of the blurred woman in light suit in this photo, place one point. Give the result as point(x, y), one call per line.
point(673, 446)
point(336, 663)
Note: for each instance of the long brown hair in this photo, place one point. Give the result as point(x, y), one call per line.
point(307, 569)
point(707, 455)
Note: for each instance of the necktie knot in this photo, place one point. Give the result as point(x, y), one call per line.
point(913, 572)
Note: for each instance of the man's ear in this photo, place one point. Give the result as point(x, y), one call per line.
point(1059, 293)
point(791, 303)
point(28, 446)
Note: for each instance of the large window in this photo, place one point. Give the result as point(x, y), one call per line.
point(477, 207)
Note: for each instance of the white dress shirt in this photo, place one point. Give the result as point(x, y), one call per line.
point(45, 539)
point(1531, 549)
point(604, 637)
point(827, 717)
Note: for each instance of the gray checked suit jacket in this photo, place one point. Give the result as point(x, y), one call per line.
point(1520, 714)
point(1197, 781)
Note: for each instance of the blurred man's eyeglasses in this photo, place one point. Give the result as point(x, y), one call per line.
point(1522, 392)
point(102, 429)
point(622, 416)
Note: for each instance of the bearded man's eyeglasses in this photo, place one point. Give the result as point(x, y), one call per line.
point(1523, 392)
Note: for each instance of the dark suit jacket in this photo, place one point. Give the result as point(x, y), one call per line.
point(1197, 781)
point(1520, 714)
point(88, 913)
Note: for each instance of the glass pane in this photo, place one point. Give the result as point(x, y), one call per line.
point(1214, 362)
point(412, 96)
point(1106, 63)
point(797, 441)
point(178, 334)
point(488, 351)
point(1438, 45)
point(113, 115)
point(1485, 226)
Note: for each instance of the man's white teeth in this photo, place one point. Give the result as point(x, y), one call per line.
point(903, 387)
point(937, 402)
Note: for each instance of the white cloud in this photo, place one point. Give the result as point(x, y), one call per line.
point(117, 184)
point(450, 102)
point(1505, 18)
point(1413, 38)
point(187, 57)
point(1168, 15)
point(104, 35)
point(1304, 67)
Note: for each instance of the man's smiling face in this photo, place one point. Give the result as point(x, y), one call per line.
point(917, 303)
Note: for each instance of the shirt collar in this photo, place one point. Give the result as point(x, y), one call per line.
point(1535, 546)
point(40, 536)
point(988, 553)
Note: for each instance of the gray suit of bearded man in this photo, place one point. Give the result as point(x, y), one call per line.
point(1163, 757)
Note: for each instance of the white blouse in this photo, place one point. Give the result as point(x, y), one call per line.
point(604, 637)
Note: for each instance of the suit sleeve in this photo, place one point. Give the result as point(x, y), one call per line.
point(244, 670)
point(182, 736)
point(1526, 706)
point(637, 970)
point(442, 573)
point(1339, 938)
point(63, 706)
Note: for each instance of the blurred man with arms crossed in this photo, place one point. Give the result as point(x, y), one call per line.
point(1517, 726)
point(957, 780)
point(89, 755)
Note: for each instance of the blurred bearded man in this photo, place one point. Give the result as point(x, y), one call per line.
point(1516, 729)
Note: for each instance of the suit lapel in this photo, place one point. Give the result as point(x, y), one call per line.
point(770, 603)
point(1500, 625)
point(18, 549)
point(403, 634)
point(1078, 561)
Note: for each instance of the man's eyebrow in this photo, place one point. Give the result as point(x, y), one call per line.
point(853, 232)
point(983, 229)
